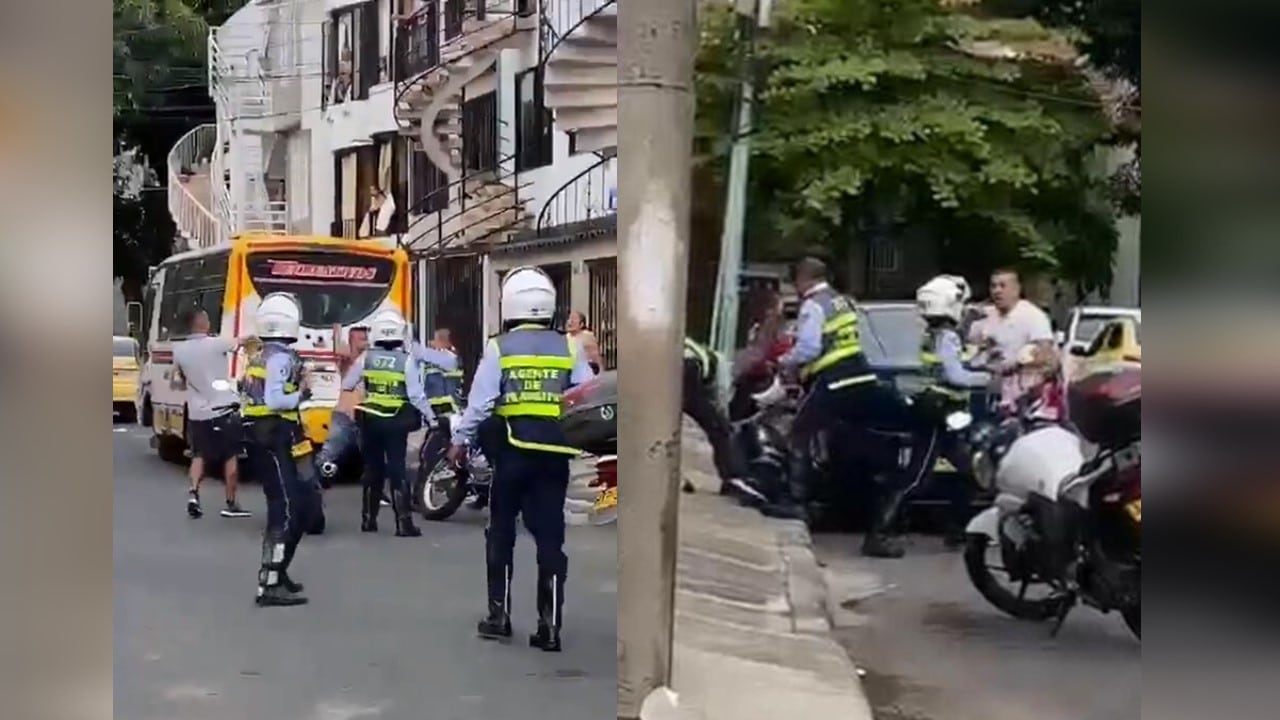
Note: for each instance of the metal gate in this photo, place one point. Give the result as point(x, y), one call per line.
point(454, 296)
point(604, 308)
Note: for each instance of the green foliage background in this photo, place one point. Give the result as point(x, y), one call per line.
point(872, 121)
point(159, 89)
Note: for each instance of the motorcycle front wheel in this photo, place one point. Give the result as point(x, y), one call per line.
point(983, 577)
point(440, 489)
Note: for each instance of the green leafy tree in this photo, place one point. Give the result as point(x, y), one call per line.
point(1109, 34)
point(879, 118)
point(159, 79)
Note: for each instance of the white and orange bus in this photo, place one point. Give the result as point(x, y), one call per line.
point(336, 281)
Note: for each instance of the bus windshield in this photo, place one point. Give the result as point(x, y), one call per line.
point(331, 286)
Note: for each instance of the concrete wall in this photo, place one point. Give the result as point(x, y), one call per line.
point(579, 254)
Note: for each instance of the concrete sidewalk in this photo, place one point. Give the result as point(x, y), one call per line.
point(752, 633)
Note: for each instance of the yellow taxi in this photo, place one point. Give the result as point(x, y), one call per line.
point(1118, 343)
point(124, 378)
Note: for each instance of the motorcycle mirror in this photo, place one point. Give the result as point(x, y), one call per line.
point(958, 421)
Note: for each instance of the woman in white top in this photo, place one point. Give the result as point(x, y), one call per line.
point(576, 328)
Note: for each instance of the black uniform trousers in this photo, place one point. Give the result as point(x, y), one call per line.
point(290, 486)
point(530, 484)
point(699, 403)
point(385, 443)
point(888, 436)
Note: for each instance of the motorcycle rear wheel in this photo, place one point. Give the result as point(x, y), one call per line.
point(427, 504)
point(980, 574)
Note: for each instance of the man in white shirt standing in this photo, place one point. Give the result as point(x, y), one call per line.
point(212, 408)
point(1015, 324)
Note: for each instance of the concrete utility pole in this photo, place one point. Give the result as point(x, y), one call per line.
point(656, 46)
point(724, 318)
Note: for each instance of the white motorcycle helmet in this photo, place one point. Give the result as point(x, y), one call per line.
point(943, 297)
point(278, 317)
point(528, 294)
point(388, 327)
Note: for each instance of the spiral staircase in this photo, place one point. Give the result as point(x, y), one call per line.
point(217, 171)
point(442, 48)
point(580, 61)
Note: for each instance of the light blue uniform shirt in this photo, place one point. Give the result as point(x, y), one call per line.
point(442, 359)
point(413, 387)
point(808, 345)
point(486, 386)
point(950, 351)
point(273, 394)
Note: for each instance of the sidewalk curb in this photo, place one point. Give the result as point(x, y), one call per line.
point(753, 637)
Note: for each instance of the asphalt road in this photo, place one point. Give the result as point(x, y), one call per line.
point(389, 633)
point(933, 649)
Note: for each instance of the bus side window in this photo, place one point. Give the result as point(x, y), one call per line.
point(209, 287)
point(148, 311)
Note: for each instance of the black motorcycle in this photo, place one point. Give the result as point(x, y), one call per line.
point(442, 487)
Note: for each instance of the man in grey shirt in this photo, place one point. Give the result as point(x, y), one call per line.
point(212, 408)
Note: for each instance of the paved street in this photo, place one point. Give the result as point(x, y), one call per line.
point(389, 633)
point(933, 649)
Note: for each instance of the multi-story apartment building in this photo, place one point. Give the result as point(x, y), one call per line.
point(479, 134)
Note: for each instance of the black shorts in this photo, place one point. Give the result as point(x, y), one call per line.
point(216, 440)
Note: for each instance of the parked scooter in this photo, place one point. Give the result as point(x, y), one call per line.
point(1063, 522)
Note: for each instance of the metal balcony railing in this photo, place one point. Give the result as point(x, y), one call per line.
point(480, 197)
point(423, 40)
point(191, 186)
point(270, 217)
point(236, 82)
point(584, 197)
point(561, 17)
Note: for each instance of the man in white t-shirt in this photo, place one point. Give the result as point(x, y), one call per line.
point(1013, 325)
point(213, 408)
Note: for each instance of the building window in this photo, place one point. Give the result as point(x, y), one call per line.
point(480, 133)
point(354, 61)
point(401, 150)
point(455, 13)
point(427, 184)
point(356, 171)
point(534, 122)
point(417, 41)
point(886, 256)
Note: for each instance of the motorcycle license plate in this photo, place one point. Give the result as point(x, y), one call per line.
point(607, 500)
point(301, 449)
point(1134, 509)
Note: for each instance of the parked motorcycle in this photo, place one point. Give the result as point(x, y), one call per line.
point(1062, 522)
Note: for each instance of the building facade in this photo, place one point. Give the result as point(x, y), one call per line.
point(478, 134)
